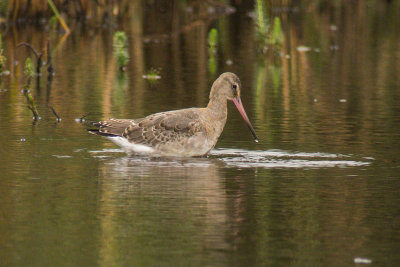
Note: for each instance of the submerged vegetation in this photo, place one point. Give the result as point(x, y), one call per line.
point(268, 34)
point(120, 49)
point(276, 35)
point(212, 51)
point(28, 70)
point(2, 56)
point(38, 55)
point(31, 104)
point(261, 19)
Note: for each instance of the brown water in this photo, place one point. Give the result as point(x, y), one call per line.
point(322, 188)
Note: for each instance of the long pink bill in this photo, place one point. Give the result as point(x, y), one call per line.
point(239, 106)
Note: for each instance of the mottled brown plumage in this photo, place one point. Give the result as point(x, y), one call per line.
point(185, 132)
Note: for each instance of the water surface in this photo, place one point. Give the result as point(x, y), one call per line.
point(320, 188)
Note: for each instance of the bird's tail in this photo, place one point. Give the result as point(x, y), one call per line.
point(97, 132)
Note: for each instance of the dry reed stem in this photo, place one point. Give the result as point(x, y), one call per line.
point(57, 14)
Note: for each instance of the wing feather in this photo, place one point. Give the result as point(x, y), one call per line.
point(173, 126)
point(165, 127)
point(114, 126)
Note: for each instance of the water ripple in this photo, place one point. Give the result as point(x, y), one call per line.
point(284, 159)
point(241, 158)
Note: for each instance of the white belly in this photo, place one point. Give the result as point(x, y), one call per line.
point(129, 147)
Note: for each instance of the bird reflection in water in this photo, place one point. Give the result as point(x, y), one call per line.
point(155, 204)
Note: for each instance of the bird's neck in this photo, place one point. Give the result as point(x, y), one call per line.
point(216, 114)
point(217, 107)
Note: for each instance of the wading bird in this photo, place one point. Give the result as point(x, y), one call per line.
point(183, 133)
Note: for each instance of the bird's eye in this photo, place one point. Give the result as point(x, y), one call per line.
point(234, 86)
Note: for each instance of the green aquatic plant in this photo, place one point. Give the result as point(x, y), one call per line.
point(212, 51)
point(261, 19)
point(28, 70)
point(120, 45)
point(268, 34)
point(2, 56)
point(38, 56)
point(213, 38)
point(31, 104)
point(276, 36)
point(153, 75)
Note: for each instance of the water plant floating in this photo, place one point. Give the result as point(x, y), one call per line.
point(152, 75)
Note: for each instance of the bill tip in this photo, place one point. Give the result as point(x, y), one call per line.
point(256, 140)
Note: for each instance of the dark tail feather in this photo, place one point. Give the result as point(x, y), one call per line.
point(88, 123)
point(95, 123)
point(97, 132)
point(92, 123)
